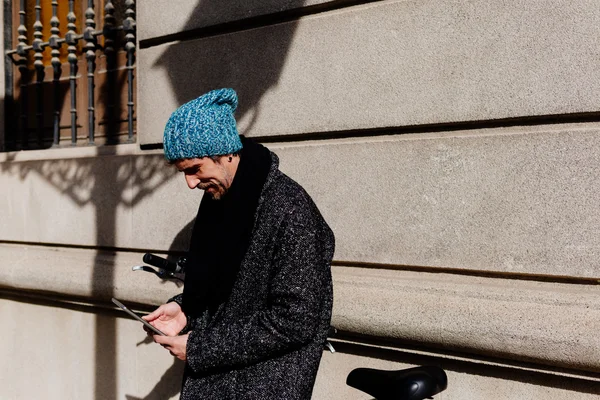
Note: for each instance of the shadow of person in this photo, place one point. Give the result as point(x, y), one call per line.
point(170, 383)
point(181, 243)
point(168, 386)
point(251, 63)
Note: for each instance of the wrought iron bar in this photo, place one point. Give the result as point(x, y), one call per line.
point(55, 44)
point(71, 39)
point(109, 27)
point(22, 49)
point(38, 48)
point(129, 28)
point(90, 38)
point(109, 32)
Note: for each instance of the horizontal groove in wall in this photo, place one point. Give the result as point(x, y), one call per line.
point(71, 153)
point(430, 128)
point(416, 353)
point(468, 272)
point(251, 23)
point(355, 264)
point(84, 247)
point(70, 302)
point(438, 128)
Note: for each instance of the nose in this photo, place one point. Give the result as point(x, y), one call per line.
point(192, 181)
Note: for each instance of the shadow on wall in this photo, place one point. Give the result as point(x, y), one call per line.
point(3, 129)
point(182, 240)
point(250, 63)
point(119, 183)
point(169, 384)
point(251, 67)
point(563, 379)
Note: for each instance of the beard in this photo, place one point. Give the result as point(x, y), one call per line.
point(217, 192)
point(218, 186)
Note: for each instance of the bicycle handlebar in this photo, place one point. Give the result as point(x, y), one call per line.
point(162, 263)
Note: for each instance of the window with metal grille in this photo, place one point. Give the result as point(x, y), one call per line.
point(70, 76)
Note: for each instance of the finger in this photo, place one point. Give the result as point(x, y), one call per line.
point(153, 315)
point(154, 337)
point(166, 340)
point(149, 317)
point(149, 331)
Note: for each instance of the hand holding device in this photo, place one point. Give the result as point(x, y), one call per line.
point(177, 345)
point(169, 318)
point(134, 315)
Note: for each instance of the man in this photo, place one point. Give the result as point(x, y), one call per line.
point(253, 317)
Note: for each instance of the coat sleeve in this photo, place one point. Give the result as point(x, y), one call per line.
point(300, 289)
point(178, 298)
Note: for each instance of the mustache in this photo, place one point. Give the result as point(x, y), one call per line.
point(218, 186)
point(204, 186)
point(219, 189)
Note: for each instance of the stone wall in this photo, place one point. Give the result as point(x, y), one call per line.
point(452, 147)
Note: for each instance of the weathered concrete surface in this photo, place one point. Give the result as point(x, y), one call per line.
point(467, 379)
point(511, 200)
point(123, 200)
point(183, 15)
point(81, 273)
point(58, 345)
point(387, 64)
point(546, 323)
point(53, 353)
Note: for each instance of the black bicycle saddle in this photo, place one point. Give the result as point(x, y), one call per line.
point(406, 384)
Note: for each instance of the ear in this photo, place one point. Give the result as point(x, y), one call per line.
point(230, 158)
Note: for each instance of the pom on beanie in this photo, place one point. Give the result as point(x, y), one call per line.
point(203, 127)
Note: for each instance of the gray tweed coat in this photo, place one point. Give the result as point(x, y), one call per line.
point(267, 340)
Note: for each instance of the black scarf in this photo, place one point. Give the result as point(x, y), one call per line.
point(222, 233)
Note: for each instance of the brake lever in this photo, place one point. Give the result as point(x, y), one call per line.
point(161, 273)
point(330, 346)
point(332, 332)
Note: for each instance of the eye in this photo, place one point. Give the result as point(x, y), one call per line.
point(191, 170)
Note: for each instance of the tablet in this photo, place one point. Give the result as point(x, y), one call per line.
point(134, 315)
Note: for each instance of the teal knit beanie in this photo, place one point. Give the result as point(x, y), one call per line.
point(203, 127)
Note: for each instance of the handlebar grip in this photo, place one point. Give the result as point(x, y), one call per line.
point(160, 262)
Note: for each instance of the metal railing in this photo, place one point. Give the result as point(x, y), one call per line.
point(89, 38)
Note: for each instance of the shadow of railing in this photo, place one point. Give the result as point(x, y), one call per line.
point(252, 67)
point(119, 183)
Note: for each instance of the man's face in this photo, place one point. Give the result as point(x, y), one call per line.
point(204, 173)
